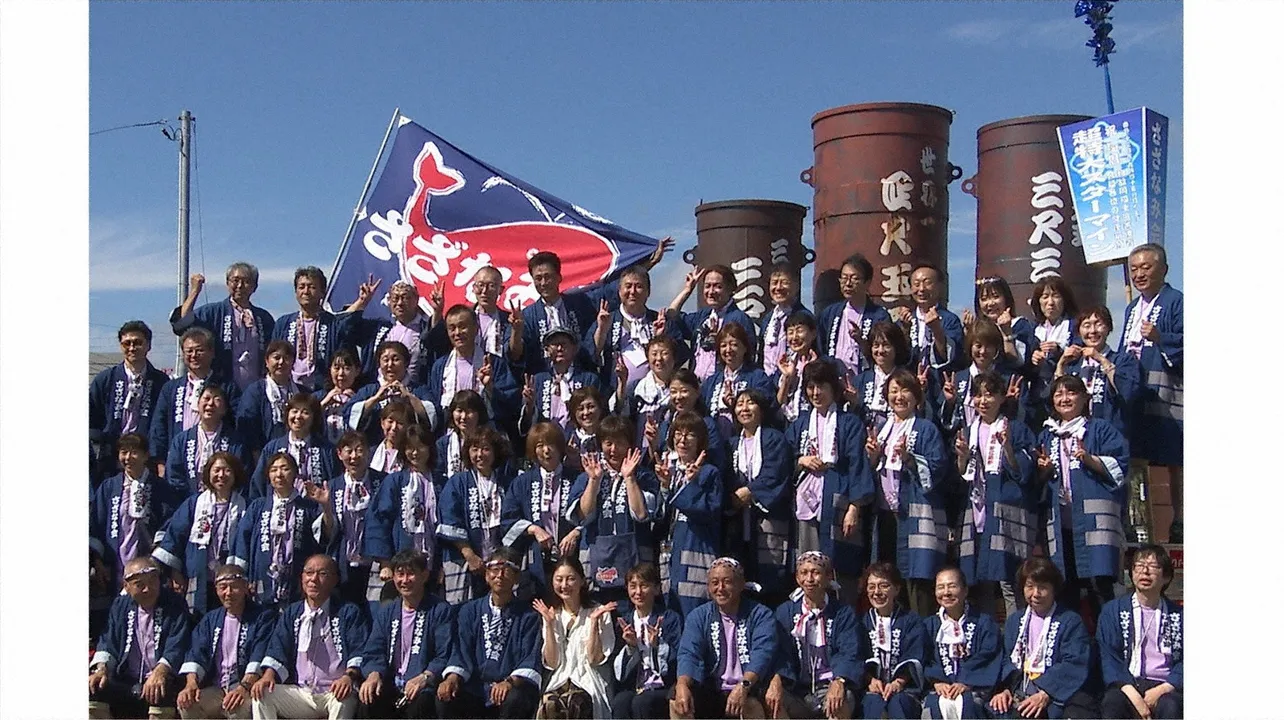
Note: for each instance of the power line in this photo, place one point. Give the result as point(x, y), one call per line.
point(162, 121)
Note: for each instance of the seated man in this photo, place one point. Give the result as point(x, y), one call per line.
point(818, 666)
point(1140, 638)
point(727, 647)
point(148, 631)
point(316, 645)
point(409, 646)
point(222, 663)
point(494, 669)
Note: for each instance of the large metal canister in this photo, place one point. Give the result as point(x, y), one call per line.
point(1025, 225)
point(881, 177)
point(750, 236)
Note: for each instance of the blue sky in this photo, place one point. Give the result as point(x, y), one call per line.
point(636, 111)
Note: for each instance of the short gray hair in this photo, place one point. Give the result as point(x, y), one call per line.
point(1158, 250)
point(246, 268)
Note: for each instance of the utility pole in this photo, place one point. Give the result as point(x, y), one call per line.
point(184, 214)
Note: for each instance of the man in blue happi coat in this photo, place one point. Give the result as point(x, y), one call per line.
point(123, 397)
point(241, 329)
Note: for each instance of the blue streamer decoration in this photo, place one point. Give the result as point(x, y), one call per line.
point(1097, 17)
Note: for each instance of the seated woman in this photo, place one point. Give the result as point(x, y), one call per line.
point(393, 384)
point(907, 522)
point(834, 477)
point(406, 513)
point(616, 501)
point(198, 537)
point(818, 666)
point(280, 531)
point(577, 643)
point(471, 511)
point(897, 645)
point(733, 374)
point(494, 668)
point(647, 662)
point(999, 523)
point(260, 413)
point(689, 523)
point(963, 659)
point(345, 369)
point(1046, 653)
point(759, 502)
point(728, 646)
point(1113, 378)
point(304, 440)
point(466, 413)
point(1140, 640)
point(192, 448)
point(534, 518)
point(1083, 461)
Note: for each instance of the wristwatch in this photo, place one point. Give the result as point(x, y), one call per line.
point(746, 684)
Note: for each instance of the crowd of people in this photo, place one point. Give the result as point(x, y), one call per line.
point(580, 507)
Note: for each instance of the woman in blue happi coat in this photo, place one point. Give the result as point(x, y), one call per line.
point(198, 537)
point(192, 448)
point(345, 369)
point(534, 516)
point(280, 531)
point(734, 374)
point(305, 441)
point(888, 349)
point(616, 501)
point(684, 396)
point(907, 521)
point(1047, 653)
point(727, 651)
point(178, 406)
point(127, 511)
point(820, 652)
point(834, 478)
point(406, 512)
point(689, 524)
point(994, 302)
point(1083, 461)
point(984, 346)
point(1056, 325)
point(1140, 639)
point(800, 350)
point(964, 650)
point(260, 412)
point(647, 661)
point(471, 514)
point(994, 456)
point(466, 412)
point(392, 383)
point(1113, 378)
point(758, 506)
point(898, 646)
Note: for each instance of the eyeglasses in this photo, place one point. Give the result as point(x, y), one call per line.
point(849, 279)
point(239, 281)
point(131, 342)
point(1146, 567)
point(484, 285)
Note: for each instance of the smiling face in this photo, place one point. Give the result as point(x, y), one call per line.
point(134, 347)
point(588, 415)
point(281, 474)
point(901, 399)
point(1039, 595)
point(299, 420)
point(634, 293)
point(725, 586)
point(783, 289)
point(278, 366)
point(197, 356)
point(660, 359)
point(462, 331)
point(641, 592)
point(748, 412)
point(614, 451)
point(419, 455)
point(465, 419)
point(240, 286)
point(567, 584)
point(392, 365)
point(482, 457)
point(1068, 403)
point(925, 287)
point(355, 457)
point(547, 281)
point(732, 351)
point(987, 403)
point(951, 590)
point(547, 455)
point(410, 582)
point(343, 373)
point(222, 477)
point(1052, 305)
point(682, 396)
point(820, 395)
point(1094, 330)
point(392, 427)
point(319, 579)
point(686, 444)
point(717, 289)
point(232, 593)
point(1146, 272)
point(133, 460)
point(984, 354)
point(212, 407)
point(883, 352)
point(144, 588)
point(403, 301)
point(308, 292)
point(882, 592)
point(799, 337)
point(814, 579)
point(487, 285)
point(992, 302)
point(500, 578)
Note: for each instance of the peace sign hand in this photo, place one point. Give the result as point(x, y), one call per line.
point(367, 290)
point(1014, 388)
point(948, 389)
point(486, 375)
point(528, 392)
point(694, 277)
point(693, 469)
point(627, 633)
point(1043, 462)
point(872, 447)
point(603, 313)
point(515, 314)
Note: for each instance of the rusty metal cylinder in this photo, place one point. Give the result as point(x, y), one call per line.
point(1025, 224)
point(881, 177)
point(750, 236)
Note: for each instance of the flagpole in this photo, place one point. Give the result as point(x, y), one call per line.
point(361, 201)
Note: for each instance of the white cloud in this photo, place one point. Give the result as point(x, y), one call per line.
point(981, 31)
point(1063, 33)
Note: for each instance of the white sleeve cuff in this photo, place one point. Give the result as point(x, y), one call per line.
point(528, 674)
point(515, 533)
point(462, 673)
point(102, 657)
point(167, 558)
point(192, 668)
point(282, 675)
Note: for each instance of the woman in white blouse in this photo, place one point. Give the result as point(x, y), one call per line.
point(578, 637)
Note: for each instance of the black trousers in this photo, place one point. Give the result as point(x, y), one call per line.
point(709, 700)
point(385, 705)
point(1099, 590)
point(521, 702)
point(645, 705)
point(124, 700)
point(1114, 704)
point(794, 703)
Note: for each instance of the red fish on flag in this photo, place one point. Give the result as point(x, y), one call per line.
point(437, 216)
